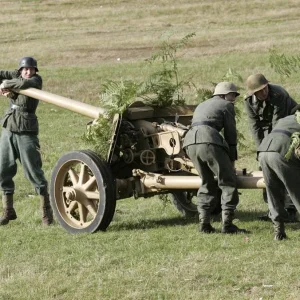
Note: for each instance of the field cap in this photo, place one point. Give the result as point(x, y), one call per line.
point(256, 83)
point(224, 88)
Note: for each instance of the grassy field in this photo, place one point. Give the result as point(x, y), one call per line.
point(149, 251)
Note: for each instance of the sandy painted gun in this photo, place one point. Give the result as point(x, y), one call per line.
point(145, 159)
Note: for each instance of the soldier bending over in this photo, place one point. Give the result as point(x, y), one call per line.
point(266, 104)
point(281, 174)
point(213, 155)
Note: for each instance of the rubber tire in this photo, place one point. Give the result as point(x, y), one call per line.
point(106, 187)
point(187, 208)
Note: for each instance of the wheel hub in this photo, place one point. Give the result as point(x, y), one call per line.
point(70, 195)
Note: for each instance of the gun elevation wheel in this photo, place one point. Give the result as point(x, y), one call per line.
point(83, 192)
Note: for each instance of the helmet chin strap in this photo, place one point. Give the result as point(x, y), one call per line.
point(230, 100)
point(225, 97)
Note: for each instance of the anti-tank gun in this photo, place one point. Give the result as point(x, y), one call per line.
point(145, 159)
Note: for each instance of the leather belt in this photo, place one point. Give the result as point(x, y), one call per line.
point(20, 108)
point(289, 134)
point(208, 123)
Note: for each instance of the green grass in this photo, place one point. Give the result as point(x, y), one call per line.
point(149, 251)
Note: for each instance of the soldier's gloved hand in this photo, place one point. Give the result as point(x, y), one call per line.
point(7, 93)
point(4, 91)
point(297, 152)
point(3, 85)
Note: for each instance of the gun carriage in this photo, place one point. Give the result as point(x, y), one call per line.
point(145, 159)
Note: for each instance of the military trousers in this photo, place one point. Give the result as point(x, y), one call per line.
point(281, 177)
point(26, 149)
point(288, 203)
point(215, 169)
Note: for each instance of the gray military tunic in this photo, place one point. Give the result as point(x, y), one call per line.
point(263, 115)
point(212, 154)
point(280, 175)
point(19, 138)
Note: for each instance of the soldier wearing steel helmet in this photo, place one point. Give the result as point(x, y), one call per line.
point(214, 155)
point(19, 139)
point(265, 104)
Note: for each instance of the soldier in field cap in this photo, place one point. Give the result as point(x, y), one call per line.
point(265, 104)
point(214, 156)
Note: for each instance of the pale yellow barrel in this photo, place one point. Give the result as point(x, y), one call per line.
point(64, 102)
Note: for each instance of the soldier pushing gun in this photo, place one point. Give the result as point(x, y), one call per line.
point(265, 105)
point(19, 139)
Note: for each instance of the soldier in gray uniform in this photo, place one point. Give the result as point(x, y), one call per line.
point(265, 105)
point(19, 139)
point(281, 175)
point(213, 155)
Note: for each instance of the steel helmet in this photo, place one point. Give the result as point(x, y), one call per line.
point(224, 88)
point(28, 62)
point(256, 83)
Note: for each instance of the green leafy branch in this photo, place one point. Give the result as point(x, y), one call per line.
point(115, 97)
point(162, 88)
point(165, 84)
point(283, 64)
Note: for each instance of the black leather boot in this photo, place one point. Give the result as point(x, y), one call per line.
point(47, 213)
point(206, 228)
point(9, 213)
point(204, 222)
point(227, 226)
point(279, 231)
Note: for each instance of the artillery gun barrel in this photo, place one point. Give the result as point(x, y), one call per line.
point(72, 105)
